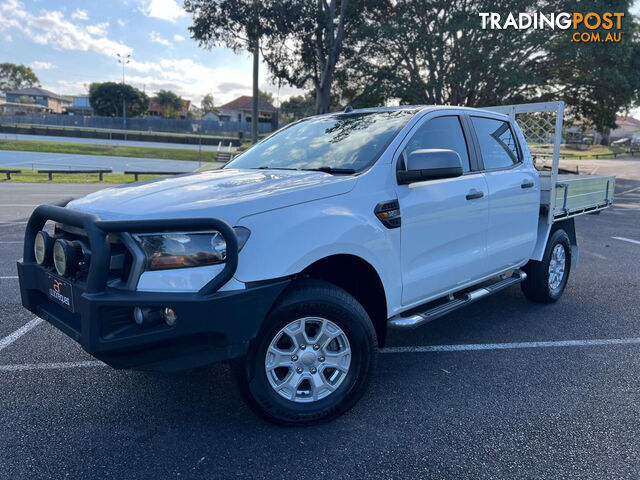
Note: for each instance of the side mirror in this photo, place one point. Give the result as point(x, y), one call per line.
point(430, 164)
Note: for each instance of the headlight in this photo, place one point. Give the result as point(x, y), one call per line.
point(42, 247)
point(66, 256)
point(179, 250)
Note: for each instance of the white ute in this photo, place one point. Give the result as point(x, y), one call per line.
point(346, 224)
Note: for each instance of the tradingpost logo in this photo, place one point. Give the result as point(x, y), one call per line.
point(588, 27)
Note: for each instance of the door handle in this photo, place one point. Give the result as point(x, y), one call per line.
point(473, 194)
point(527, 185)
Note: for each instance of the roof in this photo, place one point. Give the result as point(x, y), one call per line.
point(627, 122)
point(244, 103)
point(36, 91)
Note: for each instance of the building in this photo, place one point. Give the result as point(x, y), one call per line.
point(239, 110)
point(626, 127)
point(211, 117)
point(157, 110)
point(80, 105)
point(51, 102)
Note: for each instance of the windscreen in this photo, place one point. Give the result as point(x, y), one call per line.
point(342, 142)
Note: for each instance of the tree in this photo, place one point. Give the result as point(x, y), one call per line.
point(268, 96)
point(106, 99)
point(236, 24)
point(304, 41)
point(14, 77)
point(170, 102)
point(207, 104)
point(426, 52)
point(597, 81)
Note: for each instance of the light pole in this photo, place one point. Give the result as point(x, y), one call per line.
point(123, 60)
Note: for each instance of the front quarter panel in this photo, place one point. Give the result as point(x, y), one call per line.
point(284, 242)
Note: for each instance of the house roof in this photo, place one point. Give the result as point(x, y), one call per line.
point(627, 122)
point(244, 103)
point(36, 91)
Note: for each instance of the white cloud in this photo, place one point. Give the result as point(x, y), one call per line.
point(157, 38)
point(121, 22)
point(42, 65)
point(178, 38)
point(80, 14)
point(163, 9)
point(51, 28)
point(99, 29)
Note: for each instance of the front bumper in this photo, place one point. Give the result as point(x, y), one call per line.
point(211, 325)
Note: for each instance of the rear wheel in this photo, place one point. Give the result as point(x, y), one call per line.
point(547, 279)
point(313, 358)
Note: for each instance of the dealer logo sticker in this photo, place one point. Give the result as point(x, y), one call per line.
point(60, 291)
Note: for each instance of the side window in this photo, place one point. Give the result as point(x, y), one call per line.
point(497, 143)
point(440, 132)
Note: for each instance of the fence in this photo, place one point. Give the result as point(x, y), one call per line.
point(148, 124)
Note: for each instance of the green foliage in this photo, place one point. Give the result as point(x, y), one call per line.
point(268, 96)
point(426, 52)
point(207, 104)
point(14, 77)
point(170, 102)
point(301, 40)
point(106, 99)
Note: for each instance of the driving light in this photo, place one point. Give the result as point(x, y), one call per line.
point(66, 255)
point(181, 250)
point(42, 247)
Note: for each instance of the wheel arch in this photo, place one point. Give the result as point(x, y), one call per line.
point(360, 279)
point(544, 234)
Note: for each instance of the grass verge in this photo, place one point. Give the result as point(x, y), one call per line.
point(108, 150)
point(32, 176)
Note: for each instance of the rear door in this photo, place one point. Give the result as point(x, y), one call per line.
point(514, 198)
point(444, 222)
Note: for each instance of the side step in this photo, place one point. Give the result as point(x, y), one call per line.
point(455, 302)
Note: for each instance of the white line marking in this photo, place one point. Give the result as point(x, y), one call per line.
point(627, 240)
point(13, 241)
point(8, 340)
point(510, 346)
point(10, 277)
point(51, 366)
point(17, 205)
point(628, 191)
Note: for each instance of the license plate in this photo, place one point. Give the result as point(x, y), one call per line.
point(60, 292)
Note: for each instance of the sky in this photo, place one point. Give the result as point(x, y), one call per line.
point(72, 43)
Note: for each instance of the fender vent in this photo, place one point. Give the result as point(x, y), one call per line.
point(388, 212)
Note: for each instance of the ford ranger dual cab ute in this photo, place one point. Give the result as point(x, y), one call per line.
point(294, 259)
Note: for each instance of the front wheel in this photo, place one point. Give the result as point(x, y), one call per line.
point(313, 358)
point(547, 279)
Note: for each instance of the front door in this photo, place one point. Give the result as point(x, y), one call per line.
point(444, 222)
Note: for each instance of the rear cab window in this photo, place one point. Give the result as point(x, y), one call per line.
point(497, 141)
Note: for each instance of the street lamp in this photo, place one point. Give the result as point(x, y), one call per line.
point(123, 60)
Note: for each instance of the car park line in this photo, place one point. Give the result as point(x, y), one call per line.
point(511, 346)
point(9, 277)
point(9, 339)
point(627, 240)
point(51, 366)
point(390, 350)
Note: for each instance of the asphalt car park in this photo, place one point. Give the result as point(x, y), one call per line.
point(502, 389)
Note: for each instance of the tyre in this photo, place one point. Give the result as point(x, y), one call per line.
point(312, 359)
point(547, 279)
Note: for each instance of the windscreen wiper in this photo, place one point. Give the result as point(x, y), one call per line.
point(266, 167)
point(331, 170)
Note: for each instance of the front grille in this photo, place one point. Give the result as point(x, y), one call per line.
point(121, 257)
